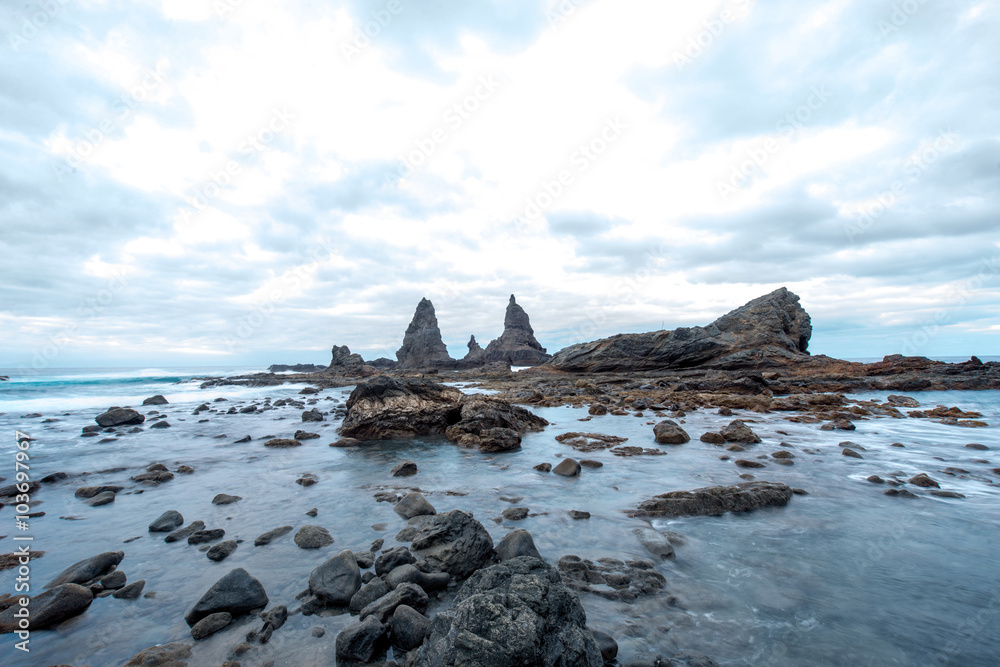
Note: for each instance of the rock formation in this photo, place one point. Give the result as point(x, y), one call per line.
point(517, 344)
point(295, 368)
point(768, 332)
point(422, 345)
point(343, 362)
point(716, 500)
point(476, 355)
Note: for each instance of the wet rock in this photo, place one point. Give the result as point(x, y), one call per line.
point(113, 581)
point(516, 613)
point(211, 624)
point(206, 536)
point(838, 425)
point(590, 442)
point(409, 628)
point(313, 415)
point(452, 542)
point(515, 513)
point(91, 491)
point(875, 479)
point(305, 435)
point(160, 424)
point(88, 568)
point(491, 423)
point(271, 535)
point(185, 532)
point(590, 463)
point(782, 454)
point(306, 481)
point(744, 463)
point(669, 432)
point(362, 642)
point(318, 631)
point(976, 446)
point(245, 438)
point(157, 476)
point(162, 655)
point(383, 608)
point(313, 537)
point(737, 431)
point(404, 469)
point(119, 417)
point(577, 514)
point(236, 593)
point(924, 481)
point(413, 504)
point(222, 550)
point(382, 408)
point(655, 542)
point(607, 645)
point(903, 402)
point(49, 608)
point(902, 493)
point(130, 592)
point(158, 399)
point(345, 442)
point(225, 499)
point(689, 658)
point(515, 544)
point(713, 438)
point(409, 574)
point(611, 578)
point(567, 468)
point(597, 409)
point(105, 498)
point(716, 500)
point(166, 522)
point(543, 467)
point(371, 591)
point(282, 443)
point(847, 451)
point(389, 560)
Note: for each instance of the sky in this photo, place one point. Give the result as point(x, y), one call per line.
point(202, 182)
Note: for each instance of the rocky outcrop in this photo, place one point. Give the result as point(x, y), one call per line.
point(120, 417)
point(295, 368)
point(452, 542)
point(768, 332)
point(476, 355)
point(517, 344)
point(384, 408)
point(422, 345)
point(383, 364)
point(716, 500)
point(343, 362)
point(516, 613)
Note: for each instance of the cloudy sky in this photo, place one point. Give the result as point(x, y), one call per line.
point(247, 182)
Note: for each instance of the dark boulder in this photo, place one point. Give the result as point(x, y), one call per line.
point(336, 581)
point(383, 408)
point(452, 542)
point(155, 400)
point(669, 432)
point(515, 544)
point(383, 608)
point(362, 642)
point(716, 500)
point(517, 344)
point(422, 345)
point(236, 593)
point(119, 417)
point(409, 628)
point(88, 568)
point(48, 608)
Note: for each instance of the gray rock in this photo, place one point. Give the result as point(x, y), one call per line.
point(236, 593)
point(225, 499)
point(422, 345)
point(669, 432)
point(607, 644)
point(91, 491)
point(271, 535)
point(119, 417)
point(413, 504)
point(409, 574)
point(409, 628)
point(105, 498)
point(185, 532)
point(49, 608)
point(368, 593)
point(408, 594)
point(88, 568)
point(313, 537)
point(517, 344)
point(166, 522)
point(737, 431)
point(404, 469)
point(515, 513)
point(362, 642)
point(113, 581)
point(692, 659)
point(155, 400)
point(452, 542)
point(516, 613)
point(517, 543)
point(567, 468)
point(716, 500)
point(211, 624)
point(655, 542)
point(282, 443)
point(390, 559)
point(222, 550)
point(206, 536)
point(336, 581)
point(313, 415)
point(611, 578)
point(130, 592)
point(162, 655)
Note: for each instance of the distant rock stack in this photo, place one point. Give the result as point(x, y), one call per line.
point(343, 362)
point(517, 344)
point(476, 353)
point(422, 344)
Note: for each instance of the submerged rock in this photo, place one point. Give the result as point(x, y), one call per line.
point(611, 578)
point(88, 568)
point(737, 431)
point(716, 500)
point(49, 608)
point(516, 613)
point(236, 593)
point(492, 424)
point(161, 655)
point(119, 417)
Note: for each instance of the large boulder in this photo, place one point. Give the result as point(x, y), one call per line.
point(88, 568)
point(452, 542)
point(362, 642)
point(716, 500)
point(669, 432)
point(48, 608)
point(405, 593)
point(166, 522)
point(492, 424)
point(383, 408)
point(336, 581)
point(770, 331)
point(343, 362)
point(119, 417)
point(512, 614)
point(236, 593)
point(517, 344)
point(476, 355)
point(422, 345)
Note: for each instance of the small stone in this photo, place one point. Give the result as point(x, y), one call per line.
point(225, 499)
point(282, 443)
point(515, 513)
point(543, 467)
point(923, 480)
point(743, 463)
point(206, 536)
point(405, 469)
point(166, 522)
point(579, 514)
point(222, 550)
point(713, 438)
point(567, 468)
point(313, 537)
point(875, 479)
point(847, 451)
point(130, 592)
point(590, 463)
point(211, 624)
point(318, 631)
point(305, 435)
point(105, 498)
point(413, 504)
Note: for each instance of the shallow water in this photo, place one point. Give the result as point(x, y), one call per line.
point(842, 576)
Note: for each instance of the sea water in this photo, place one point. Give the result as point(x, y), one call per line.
point(842, 576)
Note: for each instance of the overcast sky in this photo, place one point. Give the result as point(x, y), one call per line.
point(248, 182)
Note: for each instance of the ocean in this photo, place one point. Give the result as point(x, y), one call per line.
point(842, 576)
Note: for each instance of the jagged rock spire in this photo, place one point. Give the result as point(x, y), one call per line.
point(422, 344)
point(517, 344)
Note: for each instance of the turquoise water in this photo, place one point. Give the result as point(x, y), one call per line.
point(842, 576)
